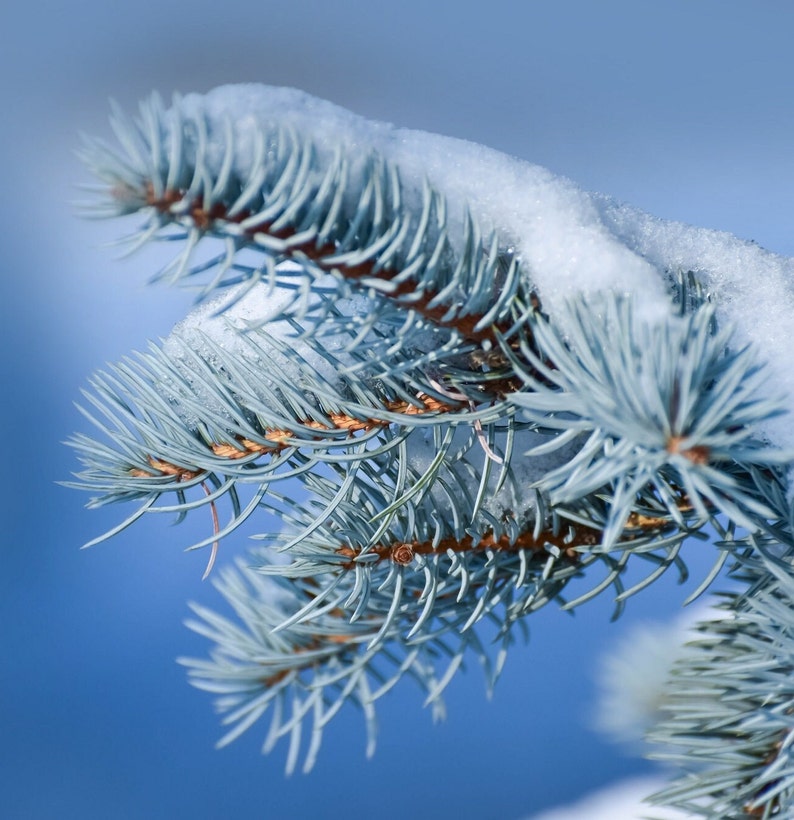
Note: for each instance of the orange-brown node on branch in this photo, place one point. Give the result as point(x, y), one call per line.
point(281, 439)
point(429, 405)
point(165, 201)
point(647, 522)
point(402, 554)
point(699, 454)
point(165, 468)
point(203, 218)
point(272, 680)
point(761, 811)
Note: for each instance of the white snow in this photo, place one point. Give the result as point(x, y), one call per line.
point(753, 289)
point(632, 676)
point(571, 242)
point(553, 224)
point(209, 326)
point(620, 801)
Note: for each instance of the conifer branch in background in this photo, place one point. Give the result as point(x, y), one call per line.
point(476, 426)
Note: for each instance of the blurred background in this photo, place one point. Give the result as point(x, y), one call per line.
point(680, 108)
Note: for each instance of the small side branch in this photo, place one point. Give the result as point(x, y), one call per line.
point(277, 440)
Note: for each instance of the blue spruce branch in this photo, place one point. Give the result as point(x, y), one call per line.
point(729, 705)
point(466, 454)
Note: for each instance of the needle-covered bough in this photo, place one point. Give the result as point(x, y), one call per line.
point(493, 389)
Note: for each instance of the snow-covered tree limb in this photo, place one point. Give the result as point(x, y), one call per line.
point(495, 390)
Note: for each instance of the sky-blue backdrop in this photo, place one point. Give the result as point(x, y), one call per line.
point(682, 108)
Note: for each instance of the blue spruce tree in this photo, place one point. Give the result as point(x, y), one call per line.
point(495, 391)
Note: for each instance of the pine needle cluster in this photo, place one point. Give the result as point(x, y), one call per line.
point(463, 457)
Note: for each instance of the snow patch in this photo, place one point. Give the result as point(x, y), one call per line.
point(213, 327)
point(622, 801)
point(633, 675)
point(555, 226)
point(571, 242)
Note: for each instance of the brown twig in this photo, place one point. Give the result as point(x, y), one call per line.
point(320, 255)
point(403, 552)
point(281, 439)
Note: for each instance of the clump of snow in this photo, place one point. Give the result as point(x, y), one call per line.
point(633, 676)
point(571, 242)
point(555, 226)
point(213, 326)
point(752, 288)
point(623, 800)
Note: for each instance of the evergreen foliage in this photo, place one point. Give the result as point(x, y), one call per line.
point(464, 457)
point(730, 706)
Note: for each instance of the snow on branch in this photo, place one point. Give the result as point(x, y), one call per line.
point(495, 391)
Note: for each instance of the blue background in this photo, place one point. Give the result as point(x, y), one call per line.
point(681, 108)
